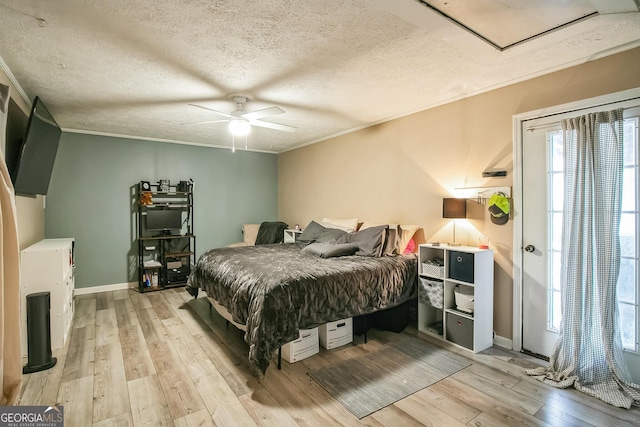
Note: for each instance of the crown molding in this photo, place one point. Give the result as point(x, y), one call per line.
point(5, 68)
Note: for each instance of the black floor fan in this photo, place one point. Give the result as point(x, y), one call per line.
point(39, 333)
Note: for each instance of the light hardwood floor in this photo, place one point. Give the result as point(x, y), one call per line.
point(163, 358)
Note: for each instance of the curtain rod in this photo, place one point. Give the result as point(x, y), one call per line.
point(532, 128)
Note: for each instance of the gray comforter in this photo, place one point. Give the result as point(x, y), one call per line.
point(275, 290)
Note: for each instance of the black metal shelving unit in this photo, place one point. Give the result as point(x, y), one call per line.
point(165, 255)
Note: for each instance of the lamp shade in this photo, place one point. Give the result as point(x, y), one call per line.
point(454, 208)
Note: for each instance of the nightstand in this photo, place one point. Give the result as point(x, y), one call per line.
point(290, 236)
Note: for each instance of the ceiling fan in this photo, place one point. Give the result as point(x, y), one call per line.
point(240, 122)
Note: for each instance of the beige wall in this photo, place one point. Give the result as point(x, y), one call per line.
point(30, 213)
point(399, 171)
point(30, 210)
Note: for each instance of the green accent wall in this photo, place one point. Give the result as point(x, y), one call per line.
point(91, 197)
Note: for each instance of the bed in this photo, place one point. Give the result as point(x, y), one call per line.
point(271, 291)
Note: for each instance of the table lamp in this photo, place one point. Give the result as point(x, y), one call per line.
point(454, 208)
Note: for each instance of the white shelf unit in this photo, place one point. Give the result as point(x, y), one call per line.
point(473, 331)
point(49, 266)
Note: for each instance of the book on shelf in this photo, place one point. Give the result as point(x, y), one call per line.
point(151, 280)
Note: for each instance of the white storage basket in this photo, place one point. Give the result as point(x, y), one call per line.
point(433, 270)
point(464, 298)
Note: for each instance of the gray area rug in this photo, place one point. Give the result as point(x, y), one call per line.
point(371, 382)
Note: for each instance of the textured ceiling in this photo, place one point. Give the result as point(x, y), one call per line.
point(132, 67)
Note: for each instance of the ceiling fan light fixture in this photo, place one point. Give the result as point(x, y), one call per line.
point(239, 127)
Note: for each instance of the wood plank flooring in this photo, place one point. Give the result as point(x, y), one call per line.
point(165, 359)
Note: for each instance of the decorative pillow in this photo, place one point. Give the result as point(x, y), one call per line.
point(311, 233)
point(347, 225)
point(406, 234)
point(391, 242)
point(411, 247)
point(370, 241)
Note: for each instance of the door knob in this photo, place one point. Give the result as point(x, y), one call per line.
point(529, 248)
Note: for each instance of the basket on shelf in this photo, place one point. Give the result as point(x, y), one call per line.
point(464, 298)
point(433, 269)
point(431, 292)
point(435, 328)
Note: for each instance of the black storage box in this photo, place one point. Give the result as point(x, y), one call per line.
point(393, 319)
point(461, 266)
point(460, 330)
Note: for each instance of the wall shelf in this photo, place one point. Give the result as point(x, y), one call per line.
point(481, 194)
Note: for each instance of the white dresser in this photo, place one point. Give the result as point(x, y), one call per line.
point(48, 266)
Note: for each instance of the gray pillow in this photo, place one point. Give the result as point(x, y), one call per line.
point(328, 250)
point(311, 233)
point(391, 242)
point(330, 234)
point(370, 241)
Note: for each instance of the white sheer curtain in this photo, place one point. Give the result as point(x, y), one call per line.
point(588, 353)
point(10, 362)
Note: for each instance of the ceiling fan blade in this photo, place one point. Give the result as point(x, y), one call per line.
point(212, 110)
point(271, 111)
point(207, 121)
point(275, 126)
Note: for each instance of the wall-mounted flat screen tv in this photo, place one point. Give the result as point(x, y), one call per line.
point(37, 153)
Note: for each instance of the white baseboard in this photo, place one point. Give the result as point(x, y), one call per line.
point(503, 342)
point(105, 288)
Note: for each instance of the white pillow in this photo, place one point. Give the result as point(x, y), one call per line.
point(348, 225)
point(336, 227)
point(366, 225)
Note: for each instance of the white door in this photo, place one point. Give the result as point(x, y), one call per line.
point(542, 222)
point(542, 205)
